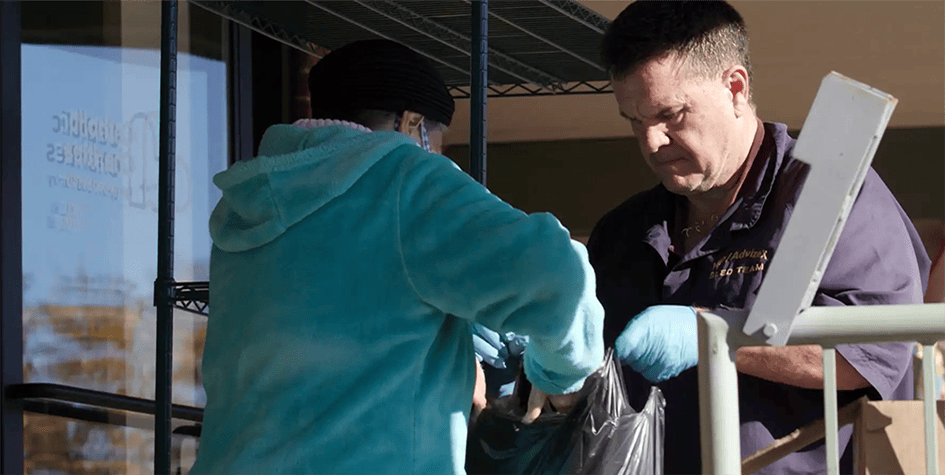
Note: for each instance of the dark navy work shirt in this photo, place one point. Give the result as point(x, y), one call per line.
point(878, 260)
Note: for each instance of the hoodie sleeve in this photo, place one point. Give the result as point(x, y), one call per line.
point(469, 254)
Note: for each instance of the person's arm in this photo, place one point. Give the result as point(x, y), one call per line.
point(479, 390)
point(800, 366)
point(469, 254)
point(870, 266)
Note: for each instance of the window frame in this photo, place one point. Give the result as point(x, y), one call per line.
point(59, 400)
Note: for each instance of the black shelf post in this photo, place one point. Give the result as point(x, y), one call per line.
point(11, 230)
point(479, 70)
point(164, 288)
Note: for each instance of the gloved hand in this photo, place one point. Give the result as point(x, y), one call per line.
point(489, 347)
point(497, 350)
point(660, 342)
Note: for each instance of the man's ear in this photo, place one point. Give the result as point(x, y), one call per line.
point(410, 125)
point(737, 84)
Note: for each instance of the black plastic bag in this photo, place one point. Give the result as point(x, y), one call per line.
point(602, 434)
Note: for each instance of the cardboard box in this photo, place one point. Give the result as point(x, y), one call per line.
point(889, 438)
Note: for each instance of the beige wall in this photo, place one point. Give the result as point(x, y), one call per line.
point(896, 46)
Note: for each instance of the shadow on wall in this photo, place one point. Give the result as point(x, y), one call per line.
point(580, 180)
point(577, 180)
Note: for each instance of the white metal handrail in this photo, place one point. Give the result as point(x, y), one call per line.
point(720, 337)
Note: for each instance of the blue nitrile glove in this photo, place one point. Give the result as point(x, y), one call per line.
point(501, 355)
point(489, 346)
point(497, 350)
point(660, 342)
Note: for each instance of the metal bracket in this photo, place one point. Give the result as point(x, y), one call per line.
point(193, 297)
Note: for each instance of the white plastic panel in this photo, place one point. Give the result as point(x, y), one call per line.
point(838, 140)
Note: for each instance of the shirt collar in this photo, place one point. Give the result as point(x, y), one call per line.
point(765, 159)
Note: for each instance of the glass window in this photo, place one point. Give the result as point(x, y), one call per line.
point(90, 123)
point(57, 445)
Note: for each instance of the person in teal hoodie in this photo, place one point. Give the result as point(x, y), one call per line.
point(348, 267)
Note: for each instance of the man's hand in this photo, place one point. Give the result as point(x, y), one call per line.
point(538, 399)
point(479, 393)
point(661, 342)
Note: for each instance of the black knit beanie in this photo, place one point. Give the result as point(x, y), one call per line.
point(381, 75)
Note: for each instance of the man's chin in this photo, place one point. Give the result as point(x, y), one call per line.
point(679, 186)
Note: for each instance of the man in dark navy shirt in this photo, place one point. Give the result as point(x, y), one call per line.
point(704, 237)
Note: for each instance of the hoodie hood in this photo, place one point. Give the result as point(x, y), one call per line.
point(297, 172)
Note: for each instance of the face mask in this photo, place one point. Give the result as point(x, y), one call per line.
point(424, 136)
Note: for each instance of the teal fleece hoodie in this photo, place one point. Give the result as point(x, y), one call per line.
point(347, 269)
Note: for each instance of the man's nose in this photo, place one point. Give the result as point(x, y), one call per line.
point(654, 138)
